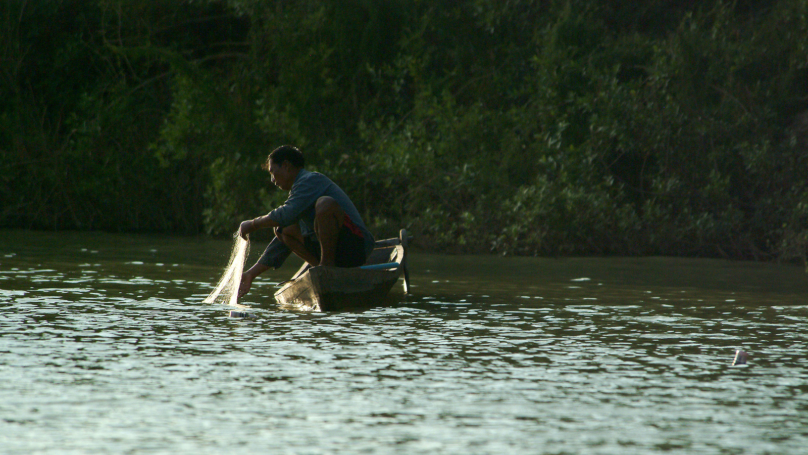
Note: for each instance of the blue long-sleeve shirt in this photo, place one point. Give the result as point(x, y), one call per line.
point(299, 208)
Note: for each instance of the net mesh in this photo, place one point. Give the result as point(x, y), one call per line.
point(226, 292)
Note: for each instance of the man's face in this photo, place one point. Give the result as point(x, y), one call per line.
point(281, 174)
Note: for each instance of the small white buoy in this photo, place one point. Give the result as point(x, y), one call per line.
point(241, 314)
point(740, 358)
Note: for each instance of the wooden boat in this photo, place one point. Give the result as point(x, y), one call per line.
point(336, 288)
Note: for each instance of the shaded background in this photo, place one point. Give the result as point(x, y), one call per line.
point(511, 127)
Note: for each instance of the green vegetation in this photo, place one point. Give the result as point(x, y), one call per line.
point(537, 127)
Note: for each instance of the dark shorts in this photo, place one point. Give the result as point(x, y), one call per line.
point(350, 246)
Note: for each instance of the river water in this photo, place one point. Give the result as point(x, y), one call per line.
point(106, 347)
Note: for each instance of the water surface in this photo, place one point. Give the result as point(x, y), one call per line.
point(106, 347)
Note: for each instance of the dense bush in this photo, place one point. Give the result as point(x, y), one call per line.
point(540, 127)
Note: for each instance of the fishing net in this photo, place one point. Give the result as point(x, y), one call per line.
point(226, 291)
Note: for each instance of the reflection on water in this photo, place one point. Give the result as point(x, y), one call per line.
point(106, 347)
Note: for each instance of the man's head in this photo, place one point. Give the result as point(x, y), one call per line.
point(283, 164)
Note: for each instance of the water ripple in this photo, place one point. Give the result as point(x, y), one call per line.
point(109, 356)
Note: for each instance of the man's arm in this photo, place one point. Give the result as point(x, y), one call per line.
point(272, 258)
point(248, 277)
point(261, 222)
point(302, 196)
point(244, 229)
point(308, 187)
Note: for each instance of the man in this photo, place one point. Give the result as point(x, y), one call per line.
point(318, 222)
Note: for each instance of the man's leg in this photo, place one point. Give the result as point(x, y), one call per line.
point(293, 238)
point(328, 219)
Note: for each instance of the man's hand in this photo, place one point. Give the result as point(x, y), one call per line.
point(248, 277)
point(245, 228)
point(246, 283)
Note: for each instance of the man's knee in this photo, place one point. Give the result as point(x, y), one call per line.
point(288, 232)
point(325, 206)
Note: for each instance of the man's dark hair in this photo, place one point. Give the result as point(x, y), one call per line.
point(286, 153)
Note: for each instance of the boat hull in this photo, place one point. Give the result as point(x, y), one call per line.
point(335, 288)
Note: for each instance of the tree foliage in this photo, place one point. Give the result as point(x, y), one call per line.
point(541, 127)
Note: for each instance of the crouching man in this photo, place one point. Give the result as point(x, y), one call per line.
point(318, 222)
